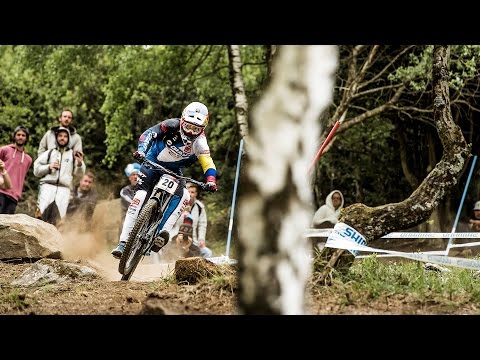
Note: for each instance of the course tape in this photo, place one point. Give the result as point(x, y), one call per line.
point(399, 235)
point(345, 237)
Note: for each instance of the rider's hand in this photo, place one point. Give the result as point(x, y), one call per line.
point(211, 184)
point(139, 155)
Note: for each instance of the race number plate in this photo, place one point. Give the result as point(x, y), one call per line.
point(168, 183)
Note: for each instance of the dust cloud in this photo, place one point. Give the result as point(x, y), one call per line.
point(92, 243)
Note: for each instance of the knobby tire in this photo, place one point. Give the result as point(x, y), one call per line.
point(142, 223)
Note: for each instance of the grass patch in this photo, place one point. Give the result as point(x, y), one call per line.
point(15, 300)
point(370, 280)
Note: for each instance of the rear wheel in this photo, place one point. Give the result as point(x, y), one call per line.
point(137, 242)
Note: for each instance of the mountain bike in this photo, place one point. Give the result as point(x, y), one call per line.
point(145, 232)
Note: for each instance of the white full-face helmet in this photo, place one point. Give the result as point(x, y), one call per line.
point(193, 121)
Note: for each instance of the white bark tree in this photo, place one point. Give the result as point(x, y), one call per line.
point(238, 89)
point(275, 202)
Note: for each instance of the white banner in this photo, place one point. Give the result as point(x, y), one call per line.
point(342, 231)
point(345, 237)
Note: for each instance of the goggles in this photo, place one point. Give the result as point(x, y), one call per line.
point(192, 129)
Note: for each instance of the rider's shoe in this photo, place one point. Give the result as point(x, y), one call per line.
point(160, 241)
point(118, 251)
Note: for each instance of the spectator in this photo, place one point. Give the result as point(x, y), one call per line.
point(474, 222)
point(327, 215)
point(128, 192)
point(5, 181)
point(16, 164)
point(183, 240)
point(49, 138)
point(57, 168)
point(197, 211)
point(83, 198)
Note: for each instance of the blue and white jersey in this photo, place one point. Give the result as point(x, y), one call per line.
point(163, 145)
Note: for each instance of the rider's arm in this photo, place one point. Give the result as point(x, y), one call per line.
point(147, 137)
point(202, 151)
point(155, 131)
point(208, 167)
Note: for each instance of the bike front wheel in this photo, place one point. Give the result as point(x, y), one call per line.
point(137, 241)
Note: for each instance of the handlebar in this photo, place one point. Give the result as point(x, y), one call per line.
point(202, 185)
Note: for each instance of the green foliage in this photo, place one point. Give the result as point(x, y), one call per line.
point(116, 93)
point(417, 72)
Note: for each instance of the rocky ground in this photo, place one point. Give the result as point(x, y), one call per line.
point(154, 290)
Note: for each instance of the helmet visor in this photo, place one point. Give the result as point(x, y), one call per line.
point(191, 129)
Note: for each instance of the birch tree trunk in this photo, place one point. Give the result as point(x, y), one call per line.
point(238, 89)
point(275, 204)
point(373, 223)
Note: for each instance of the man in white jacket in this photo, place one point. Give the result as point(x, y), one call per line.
point(57, 168)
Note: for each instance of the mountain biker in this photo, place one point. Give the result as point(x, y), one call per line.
point(175, 144)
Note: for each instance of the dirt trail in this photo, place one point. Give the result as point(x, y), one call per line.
point(147, 270)
point(86, 248)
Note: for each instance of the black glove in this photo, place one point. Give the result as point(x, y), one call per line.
point(139, 155)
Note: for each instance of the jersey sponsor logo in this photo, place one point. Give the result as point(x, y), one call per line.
point(178, 152)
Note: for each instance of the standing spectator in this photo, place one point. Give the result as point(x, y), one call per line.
point(5, 181)
point(128, 192)
point(49, 139)
point(83, 198)
point(57, 168)
point(474, 222)
point(16, 163)
point(197, 212)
